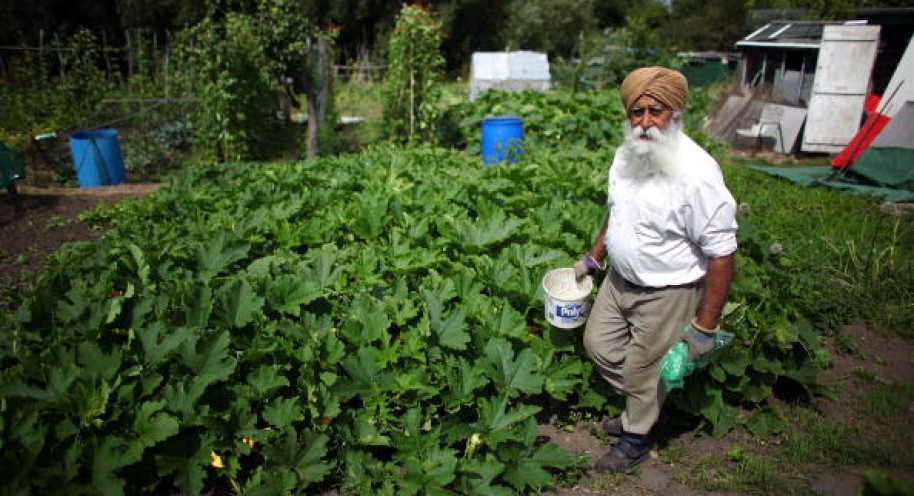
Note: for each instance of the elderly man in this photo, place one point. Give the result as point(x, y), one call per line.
point(670, 235)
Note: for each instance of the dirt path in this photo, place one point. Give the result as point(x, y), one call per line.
point(50, 219)
point(684, 465)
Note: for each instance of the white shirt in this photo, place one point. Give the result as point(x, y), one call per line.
point(663, 229)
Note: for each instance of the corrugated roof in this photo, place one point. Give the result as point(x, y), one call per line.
point(786, 34)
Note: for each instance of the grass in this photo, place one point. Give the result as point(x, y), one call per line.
point(361, 99)
point(853, 262)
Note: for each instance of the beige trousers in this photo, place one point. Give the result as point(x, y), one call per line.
point(629, 330)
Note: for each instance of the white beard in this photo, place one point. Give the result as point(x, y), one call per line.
point(649, 158)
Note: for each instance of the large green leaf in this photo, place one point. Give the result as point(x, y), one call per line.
point(511, 376)
point(158, 344)
point(430, 473)
point(532, 471)
point(463, 382)
point(151, 426)
point(266, 380)
point(238, 305)
point(288, 293)
point(283, 412)
point(222, 251)
point(495, 415)
point(450, 329)
point(476, 477)
point(198, 305)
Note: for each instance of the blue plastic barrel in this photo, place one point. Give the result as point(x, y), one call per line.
point(502, 139)
point(97, 157)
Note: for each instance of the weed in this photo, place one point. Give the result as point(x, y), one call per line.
point(817, 441)
point(760, 474)
point(672, 454)
point(846, 345)
point(867, 375)
point(576, 471)
point(876, 483)
point(58, 221)
point(567, 420)
point(888, 400)
point(605, 483)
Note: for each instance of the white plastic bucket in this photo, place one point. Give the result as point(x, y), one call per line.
point(567, 299)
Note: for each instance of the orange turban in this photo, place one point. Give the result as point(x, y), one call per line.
point(665, 85)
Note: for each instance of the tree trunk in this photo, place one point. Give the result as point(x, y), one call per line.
point(317, 91)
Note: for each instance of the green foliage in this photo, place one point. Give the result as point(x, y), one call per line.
point(560, 121)
point(237, 107)
point(601, 61)
point(844, 261)
point(827, 9)
point(414, 69)
point(555, 120)
point(33, 104)
point(549, 26)
point(706, 24)
point(286, 35)
point(876, 483)
point(301, 322)
point(374, 322)
point(83, 84)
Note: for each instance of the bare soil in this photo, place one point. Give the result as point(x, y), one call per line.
point(873, 359)
point(49, 218)
point(862, 360)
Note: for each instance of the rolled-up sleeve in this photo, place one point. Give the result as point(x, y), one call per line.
point(713, 224)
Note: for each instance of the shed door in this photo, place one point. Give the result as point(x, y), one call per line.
point(842, 79)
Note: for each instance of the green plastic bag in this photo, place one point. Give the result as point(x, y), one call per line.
point(675, 365)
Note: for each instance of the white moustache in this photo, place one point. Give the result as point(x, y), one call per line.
point(651, 133)
point(650, 151)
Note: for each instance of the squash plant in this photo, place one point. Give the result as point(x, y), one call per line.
point(372, 323)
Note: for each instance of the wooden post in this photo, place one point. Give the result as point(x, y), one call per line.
point(105, 54)
point(15, 197)
point(60, 68)
point(129, 54)
point(317, 91)
point(165, 62)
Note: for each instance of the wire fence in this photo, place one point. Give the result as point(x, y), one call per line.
point(142, 52)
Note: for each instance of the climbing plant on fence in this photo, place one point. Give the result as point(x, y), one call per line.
point(414, 70)
point(237, 106)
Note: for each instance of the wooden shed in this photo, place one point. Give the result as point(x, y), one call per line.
point(813, 78)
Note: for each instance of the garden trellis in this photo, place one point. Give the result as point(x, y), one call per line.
point(137, 46)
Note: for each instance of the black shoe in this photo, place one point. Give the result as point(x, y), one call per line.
point(612, 426)
point(622, 457)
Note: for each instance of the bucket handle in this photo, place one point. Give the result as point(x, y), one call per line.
point(106, 179)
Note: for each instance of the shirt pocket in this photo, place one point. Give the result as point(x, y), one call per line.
point(652, 221)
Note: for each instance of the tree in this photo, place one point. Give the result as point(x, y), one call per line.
point(827, 9)
point(550, 26)
point(232, 82)
point(298, 49)
point(706, 24)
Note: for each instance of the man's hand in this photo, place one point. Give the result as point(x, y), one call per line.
point(700, 342)
point(587, 265)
